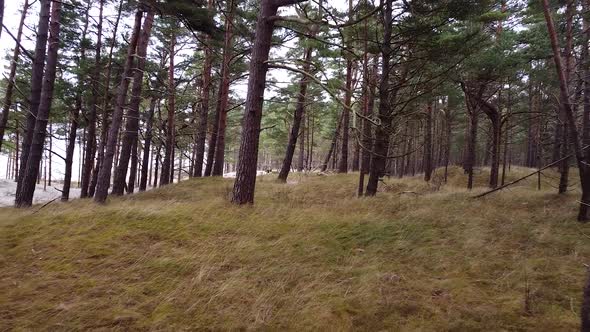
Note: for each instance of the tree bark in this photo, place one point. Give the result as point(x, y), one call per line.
point(91, 117)
point(168, 162)
point(381, 143)
point(25, 196)
point(343, 163)
point(71, 146)
point(581, 159)
point(585, 61)
point(132, 123)
point(448, 140)
point(105, 113)
point(492, 112)
point(147, 146)
point(223, 100)
point(133, 168)
point(204, 110)
point(333, 145)
point(245, 183)
point(365, 131)
point(36, 85)
point(104, 176)
point(297, 118)
point(75, 114)
point(583, 214)
point(428, 144)
point(212, 145)
point(564, 151)
point(469, 164)
point(302, 132)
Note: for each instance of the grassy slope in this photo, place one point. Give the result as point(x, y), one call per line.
point(305, 256)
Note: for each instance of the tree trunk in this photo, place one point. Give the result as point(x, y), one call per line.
point(204, 110)
point(581, 157)
point(222, 102)
point(473, 114)
point(168, 162)
point(583, 214)
point(65, 193)
point(105, 104)
point(448, 140)
point(212, 145)
point(172, 156)
point(25, 196)
point(50, 153)
point(297, 118)
point(147, 146)
point(36, 85)
point(104, 178)
point(333, 145)
point(531, 159)
point(302, 132)
point(75, 114)
point(132, 123)
point(564, 151)
point(368, 113)
point(91, 117)
point(244, 185)
point(478, 102)
point(381, 144)
point(133, 168)
point(495, 151)
point(343, 164)
point(585, 61)
point(12, 76)
point(428, 144)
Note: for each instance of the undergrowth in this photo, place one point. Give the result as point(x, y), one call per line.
point(307, 256)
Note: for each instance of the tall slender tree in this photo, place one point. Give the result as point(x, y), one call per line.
point(381, 143)
point(75, 114)
point(168, 162)
point(244, 186)
point(105, 103)
point(343, 164)
point(201, 134)
point(132, 124)
point(583, 165)
point(223, 100)
point(36, 85)
point(93, 111)
point(145, 163)
point(104, 176)
point(24, 197)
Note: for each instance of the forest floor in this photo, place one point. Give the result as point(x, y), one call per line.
point(305, 256)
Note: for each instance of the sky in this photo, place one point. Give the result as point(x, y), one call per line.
point(11, 20)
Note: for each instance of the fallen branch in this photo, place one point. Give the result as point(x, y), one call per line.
point(44, 205)
point(528, 175)
point(409, 192)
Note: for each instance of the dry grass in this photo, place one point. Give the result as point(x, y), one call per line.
point(308, 256)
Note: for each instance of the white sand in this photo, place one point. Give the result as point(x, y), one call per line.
point(8, 190)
